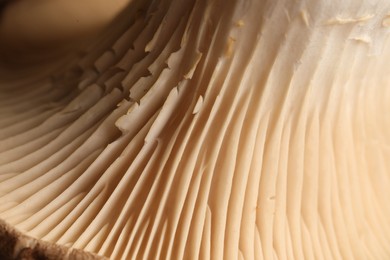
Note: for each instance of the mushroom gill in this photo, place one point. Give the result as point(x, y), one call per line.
point(201, 130)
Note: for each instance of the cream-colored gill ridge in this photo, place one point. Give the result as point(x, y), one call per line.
point(208, 130)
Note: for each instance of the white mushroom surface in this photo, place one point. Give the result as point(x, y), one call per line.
point(195, 129)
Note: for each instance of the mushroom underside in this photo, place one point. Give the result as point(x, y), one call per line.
point(205, 130)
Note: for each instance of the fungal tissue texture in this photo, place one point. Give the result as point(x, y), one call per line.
point(198, 129)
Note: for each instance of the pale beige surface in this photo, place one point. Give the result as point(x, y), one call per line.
point(209, 130)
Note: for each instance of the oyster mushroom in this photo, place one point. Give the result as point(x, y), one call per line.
point(204, 130)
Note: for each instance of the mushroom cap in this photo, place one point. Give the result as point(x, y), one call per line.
point(204, 129)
